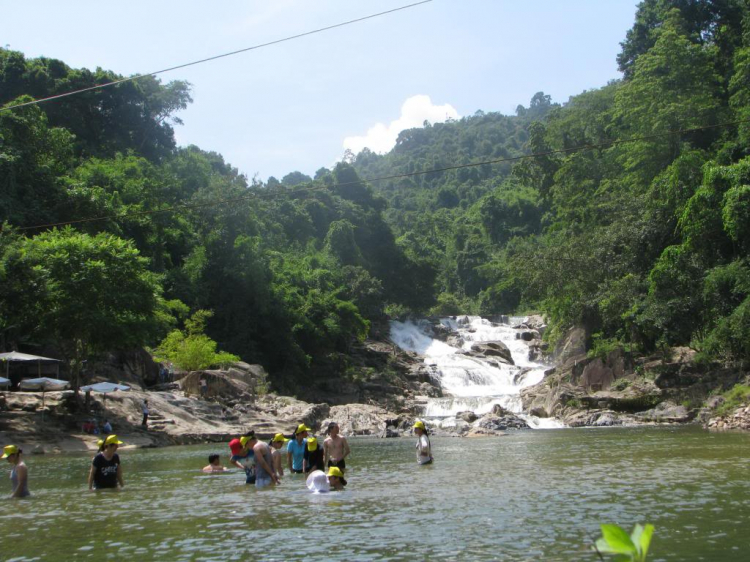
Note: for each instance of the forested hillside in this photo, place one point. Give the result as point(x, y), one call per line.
point(643, 242)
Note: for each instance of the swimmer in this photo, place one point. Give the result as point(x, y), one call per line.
point(106, 470)
point(336, 478)
point(424, 449)
point(335, 448)
point(214, 464)
point(319, 482)
point(19, 474)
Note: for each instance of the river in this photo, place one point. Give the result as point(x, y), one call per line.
point(530, 495)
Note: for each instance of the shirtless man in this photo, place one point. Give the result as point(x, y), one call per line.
point(265, 474)
point(335, 448)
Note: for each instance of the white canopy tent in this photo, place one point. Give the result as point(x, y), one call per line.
point(44, 384)
point(16, 357)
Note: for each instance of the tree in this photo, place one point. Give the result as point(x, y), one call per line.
point(89, 293)
point(192, 349)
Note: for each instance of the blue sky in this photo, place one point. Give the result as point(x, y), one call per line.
point(295, 106)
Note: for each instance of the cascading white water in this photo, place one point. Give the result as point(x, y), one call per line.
point(474, 383)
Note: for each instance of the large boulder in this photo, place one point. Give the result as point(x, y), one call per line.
point(365, 419)
point(573, 344)
point(597, 376)
point(492, 349)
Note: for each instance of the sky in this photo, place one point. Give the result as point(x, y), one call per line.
point(298, 105)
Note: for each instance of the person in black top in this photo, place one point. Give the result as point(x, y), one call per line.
point(106, 471)
point(313, 457)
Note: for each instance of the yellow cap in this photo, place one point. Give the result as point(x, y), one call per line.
point(279, 438)
point(301, 428)
point(9, 450)
point(245, 439)
point(99, 443)
point(113, 440)
point(419, 425)
point(312, 444)
point(335, 471)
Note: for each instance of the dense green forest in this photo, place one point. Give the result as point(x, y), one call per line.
point(644, 242)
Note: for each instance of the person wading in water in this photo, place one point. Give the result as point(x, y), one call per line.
point(19, 474)
point(335, 448)
point(424, 450)
point(106, 471)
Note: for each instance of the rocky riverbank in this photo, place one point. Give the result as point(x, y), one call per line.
point(385, 398)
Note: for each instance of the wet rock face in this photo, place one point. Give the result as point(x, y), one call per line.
point(492, 349)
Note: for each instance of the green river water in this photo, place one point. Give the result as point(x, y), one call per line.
point(532, 495)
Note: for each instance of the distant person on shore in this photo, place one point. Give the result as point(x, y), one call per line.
point(335, 448)
point(19, 473)
point(106, 470)
point(312, 458)
point(276, 444)
point(424, 449)
point(204, 387)
point(107, 427)
point(295, 449)
point(265, 475)
point(144, 409)
point(214, 464)
point(243, 457)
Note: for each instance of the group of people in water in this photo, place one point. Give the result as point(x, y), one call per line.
point(263, 463)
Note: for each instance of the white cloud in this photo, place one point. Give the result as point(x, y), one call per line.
point(415, 111)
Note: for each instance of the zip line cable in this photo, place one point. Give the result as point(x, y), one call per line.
point(255, 194)
point(254, 47)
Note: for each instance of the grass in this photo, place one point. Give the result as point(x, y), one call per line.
point(738, 395)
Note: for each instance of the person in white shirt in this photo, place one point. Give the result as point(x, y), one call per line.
point(424, 450)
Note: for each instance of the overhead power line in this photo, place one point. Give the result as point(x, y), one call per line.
point(256, 193)
point(201, 61)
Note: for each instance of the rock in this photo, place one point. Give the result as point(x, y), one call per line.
point(714, 402)
point(498, 410)
point(467, 416)
point(573, 344)
point(528, 335)
point(492, 349)
point(427, 389)
point(667, 412)
point(454, 340)
point(463, 320)
point(390, 433)
point(605, 419)
point(597, 376)
point(38, 450)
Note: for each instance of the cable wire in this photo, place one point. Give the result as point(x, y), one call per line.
point(254, 47)
point(580, 148)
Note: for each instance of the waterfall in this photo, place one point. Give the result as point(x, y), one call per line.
point(473, 383)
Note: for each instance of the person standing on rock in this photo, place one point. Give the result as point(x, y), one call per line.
point(144, 409)
point(265, 475)
point(335, 448)
point(295, 449)
point(312, 458)
point(19, 474)
point(106, 470)
point(424, 449)
point(276, 444)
